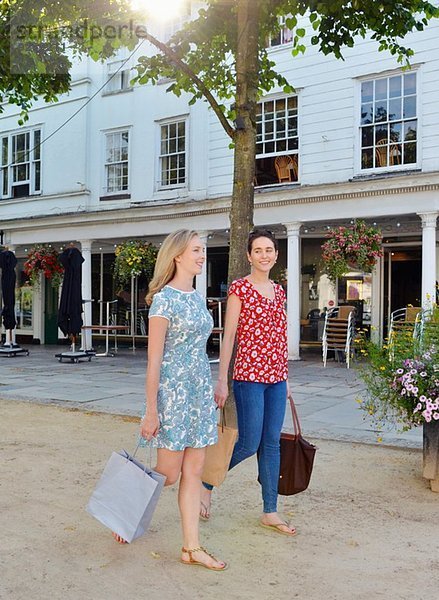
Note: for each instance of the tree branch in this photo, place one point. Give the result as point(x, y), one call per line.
point(178, 62)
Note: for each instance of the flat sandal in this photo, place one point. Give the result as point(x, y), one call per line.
point(191, 560)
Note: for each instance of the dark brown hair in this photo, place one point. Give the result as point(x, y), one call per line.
point(258, 233)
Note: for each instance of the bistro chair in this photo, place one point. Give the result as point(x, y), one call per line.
point(338, 332)
point(427, 331)
point(403, 321)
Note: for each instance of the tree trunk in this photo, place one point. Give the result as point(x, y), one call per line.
point(247, 68)
point(241, 213)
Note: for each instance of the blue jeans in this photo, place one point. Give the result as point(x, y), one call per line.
point(260, 409)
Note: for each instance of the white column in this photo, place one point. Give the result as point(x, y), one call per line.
point(428, 258)
point(293, 289)
point(376, 320)
point(86, 289)
point(201, 279)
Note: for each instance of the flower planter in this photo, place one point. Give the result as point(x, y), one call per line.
point(431, 454)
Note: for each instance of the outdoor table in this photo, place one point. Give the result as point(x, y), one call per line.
point(107, 329)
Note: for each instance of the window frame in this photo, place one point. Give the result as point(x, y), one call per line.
point(124, 72)
point(296, 152)
point(359, 171)
point(282, 44)
point(34, 162)
point(160, 186)
point(116, 193)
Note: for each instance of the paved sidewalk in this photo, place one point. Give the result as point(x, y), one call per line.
point(325, 398)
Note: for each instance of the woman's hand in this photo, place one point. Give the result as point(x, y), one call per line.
point(149, 426)
point(221, 393)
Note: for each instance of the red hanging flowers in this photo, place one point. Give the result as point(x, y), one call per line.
point(360, 245)
point(44, 259)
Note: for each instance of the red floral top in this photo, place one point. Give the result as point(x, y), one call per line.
point(262, 352)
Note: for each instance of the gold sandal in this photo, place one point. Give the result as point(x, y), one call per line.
point(191, 561)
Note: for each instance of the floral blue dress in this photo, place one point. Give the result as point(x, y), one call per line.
point(185, 403)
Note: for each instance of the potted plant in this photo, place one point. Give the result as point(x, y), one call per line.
point(44, 259)
point(347, 248)
point(402, 388)
point(133, 258)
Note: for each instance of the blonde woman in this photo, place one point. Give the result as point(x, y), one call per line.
point(180, 408)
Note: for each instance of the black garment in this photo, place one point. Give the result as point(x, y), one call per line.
point(70, 304)
point(8, 261)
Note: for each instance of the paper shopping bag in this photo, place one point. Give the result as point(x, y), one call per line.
point(218, 456)
point(126, 495)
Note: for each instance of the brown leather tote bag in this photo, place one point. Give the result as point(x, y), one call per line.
point(296, 459)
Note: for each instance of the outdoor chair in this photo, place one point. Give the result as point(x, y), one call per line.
point(403, 321)
point(338, 332)
point(286, 168)
point(427, 331)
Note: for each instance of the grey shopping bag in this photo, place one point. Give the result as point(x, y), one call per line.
point(126, 495)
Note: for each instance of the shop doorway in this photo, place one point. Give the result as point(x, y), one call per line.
point(50, 313)
point(402, 278)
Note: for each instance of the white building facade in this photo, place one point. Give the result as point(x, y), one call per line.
point(359, 139)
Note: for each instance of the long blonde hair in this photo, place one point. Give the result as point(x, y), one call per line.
point(165, 267)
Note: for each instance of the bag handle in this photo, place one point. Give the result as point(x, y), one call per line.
point(222, 421)
point(296, 422)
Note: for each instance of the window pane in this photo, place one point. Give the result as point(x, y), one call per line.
point(410, 131)
point(181, 144)
point(281, 146)
point(5, 182)
point(395, 154)
point(181, 129)
point(366, 114)
point(381, 155)
point(366, 136)
point(409, 153)
point(280, 105)
point(380, 134)
point(292, 103)
point(293, 144)
point(381, 111)
point(37, 182)
point(36, 146)
point(410, 84)
point(395, 132)
point(409, 107)
point(395, 86)
point(269, 147)
point(367, 91)
point(367, 158)
point(280, 128)
point(395, 109)
point(172, 147)
point(268, 109)
point(292, 126)
point(4, 151)
point(380, 89)
point(21, 172)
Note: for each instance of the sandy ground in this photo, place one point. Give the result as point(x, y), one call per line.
point(368, 525)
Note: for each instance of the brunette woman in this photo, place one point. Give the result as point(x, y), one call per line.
point(256, 316)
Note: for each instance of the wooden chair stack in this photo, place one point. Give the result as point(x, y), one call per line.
point(338, 333)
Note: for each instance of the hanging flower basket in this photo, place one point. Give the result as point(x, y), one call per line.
point(45, 260)
point(349, 248)
point(134, 258)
